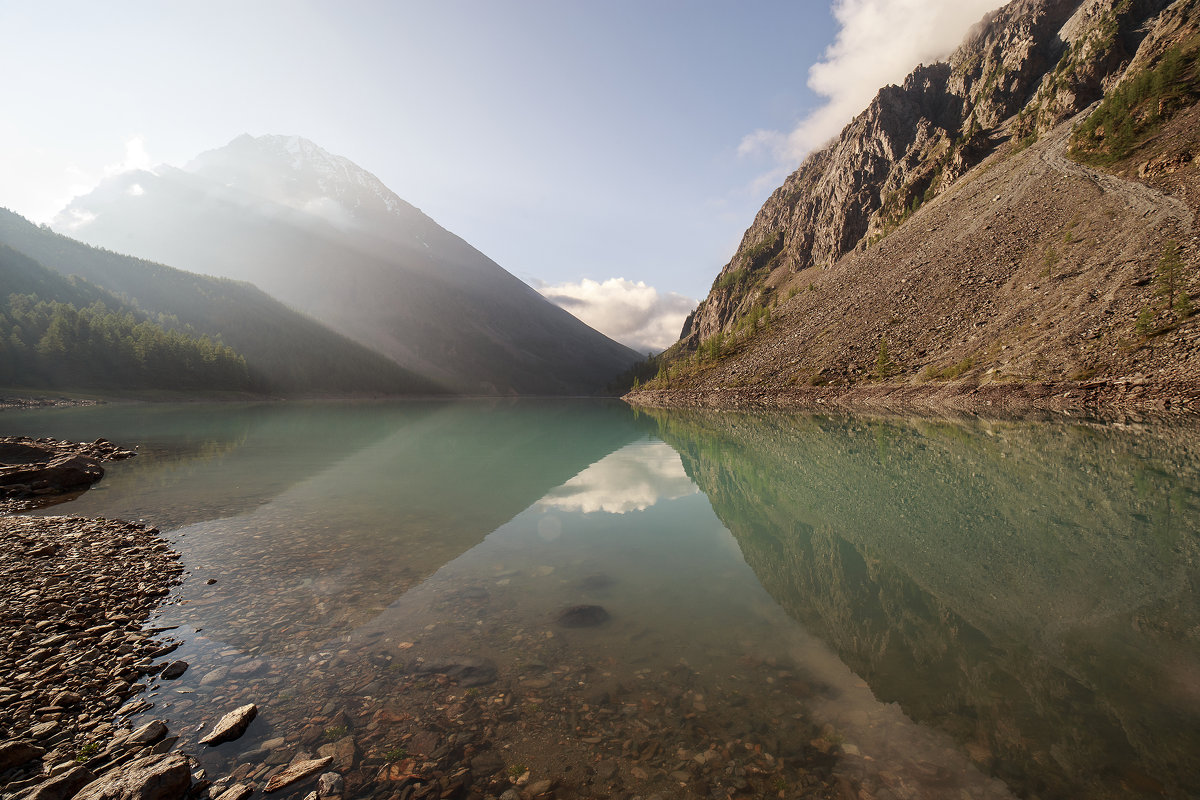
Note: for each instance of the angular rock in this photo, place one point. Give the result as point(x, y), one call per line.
point(238, 791)
point(297, 772)
point(16, 753)
point(330, 784)
point(343, 752)
point(149, 733)
point(165, 777)
point(232, 725)
point(60, 787)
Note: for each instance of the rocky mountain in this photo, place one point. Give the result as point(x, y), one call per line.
point(327, 237)
point(285, 352)
point(961, 231)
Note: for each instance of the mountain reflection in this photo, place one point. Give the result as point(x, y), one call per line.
point(1030, 589)
point(631, 479)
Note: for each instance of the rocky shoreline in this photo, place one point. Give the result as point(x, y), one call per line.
point(75, 595)
point(1101, 399)
point(38, 472)
point(46, 402)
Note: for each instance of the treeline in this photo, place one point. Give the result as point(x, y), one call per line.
point(1134, 109)
point(286, 351)
point(57, 345)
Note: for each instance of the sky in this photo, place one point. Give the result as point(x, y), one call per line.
point(610, 153)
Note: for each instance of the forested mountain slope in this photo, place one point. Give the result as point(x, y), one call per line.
point(59, 333)
point(285, 351)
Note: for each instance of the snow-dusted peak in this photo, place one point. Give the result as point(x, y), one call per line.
point(296, 172)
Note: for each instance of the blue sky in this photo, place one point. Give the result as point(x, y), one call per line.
point(570, 141)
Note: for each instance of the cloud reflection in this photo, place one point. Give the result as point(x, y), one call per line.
point(631, 479)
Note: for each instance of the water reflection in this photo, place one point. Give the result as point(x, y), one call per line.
point(919, 607)
point(1029, 589)
point(631, 479)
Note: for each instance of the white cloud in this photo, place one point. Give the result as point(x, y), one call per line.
point(634, 314)
point(135, 190)
point(136, 157)
point(77, 218)
point(879, 43)
point(631, 479)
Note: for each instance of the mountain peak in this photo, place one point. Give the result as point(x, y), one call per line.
point(295, 171)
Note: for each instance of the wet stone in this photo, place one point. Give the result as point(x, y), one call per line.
point(583, 616)
point(296, 772)
point(174, 670)
point(468, 671)
point(231, 726)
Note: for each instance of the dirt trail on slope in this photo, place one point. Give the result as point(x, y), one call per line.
point(1152, 204)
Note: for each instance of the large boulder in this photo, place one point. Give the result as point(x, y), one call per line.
point(63, 473)
point(61, 786)
point(157, 777)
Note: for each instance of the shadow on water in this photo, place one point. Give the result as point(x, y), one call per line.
point(1030, 589)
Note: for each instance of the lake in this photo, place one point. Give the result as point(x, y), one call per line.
point(682, 604)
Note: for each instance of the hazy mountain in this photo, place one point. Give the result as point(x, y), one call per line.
point(285, 351)
point(327, 237)
point(995, 225)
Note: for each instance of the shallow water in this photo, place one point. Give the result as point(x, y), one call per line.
point(916, 608)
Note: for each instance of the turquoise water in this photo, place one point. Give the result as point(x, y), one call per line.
point(923, 608)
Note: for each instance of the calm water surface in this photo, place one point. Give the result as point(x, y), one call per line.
point(923, 609)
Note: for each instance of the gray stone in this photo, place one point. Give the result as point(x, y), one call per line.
point(330, 784)
point(214, 676)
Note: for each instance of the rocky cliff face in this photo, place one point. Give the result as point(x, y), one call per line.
point(1020, 72)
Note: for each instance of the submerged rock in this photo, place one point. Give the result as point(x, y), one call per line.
point(583, 616)
point(174, 670)
point(467, 670)
point(296, 772)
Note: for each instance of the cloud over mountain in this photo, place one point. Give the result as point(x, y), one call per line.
point(878, 43)
point(633, 313)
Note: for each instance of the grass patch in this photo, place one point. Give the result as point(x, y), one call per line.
point(948, 373)
point(1134, 110)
